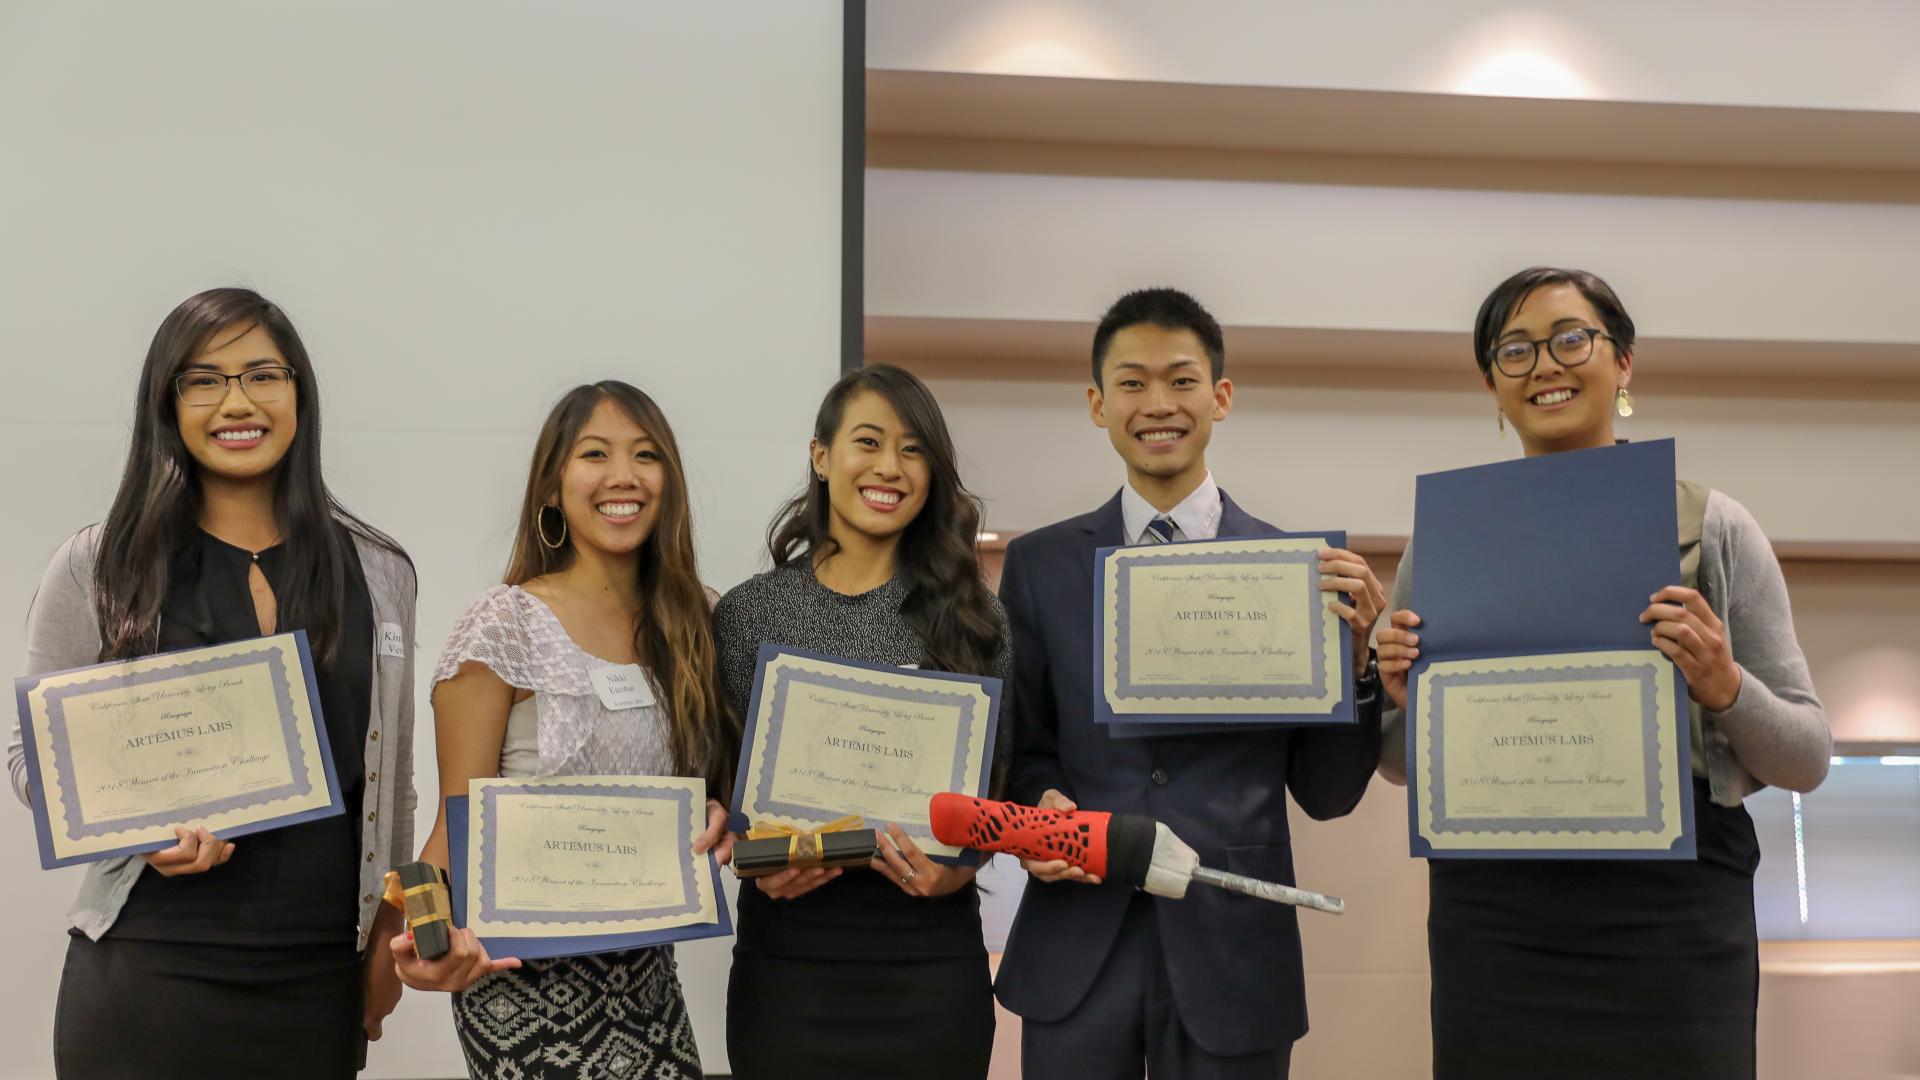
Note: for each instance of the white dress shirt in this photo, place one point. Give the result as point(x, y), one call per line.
point(1196, 518)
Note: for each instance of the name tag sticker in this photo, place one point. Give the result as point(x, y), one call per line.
point(392, 641)
point(623, 686)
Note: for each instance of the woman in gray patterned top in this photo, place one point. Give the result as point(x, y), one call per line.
point(602, 574)
point(1613, 968)
point(882, 971)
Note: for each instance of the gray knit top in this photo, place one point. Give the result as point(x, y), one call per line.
point(862, 915)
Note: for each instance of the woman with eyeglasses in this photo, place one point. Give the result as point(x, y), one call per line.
point(1619, 968)
point(266, 956)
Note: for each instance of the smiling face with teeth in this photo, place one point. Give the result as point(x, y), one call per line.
point(611, 484)
point(1555, 407)
point(877, 475)
point(1158, 402)
point(239, 440)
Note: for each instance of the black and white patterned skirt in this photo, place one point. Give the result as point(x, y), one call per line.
point(615, 1016)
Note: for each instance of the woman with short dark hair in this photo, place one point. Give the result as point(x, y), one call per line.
point(1620, 968)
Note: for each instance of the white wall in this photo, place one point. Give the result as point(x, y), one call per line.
point(466, 208)
point(1847, 54)
point(1317, 457)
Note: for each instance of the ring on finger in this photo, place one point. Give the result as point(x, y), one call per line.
point(909, 876)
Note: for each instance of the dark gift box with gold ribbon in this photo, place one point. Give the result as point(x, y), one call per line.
point(755, 856)
point(419, 890)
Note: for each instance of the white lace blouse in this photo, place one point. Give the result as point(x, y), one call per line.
point(563, 729)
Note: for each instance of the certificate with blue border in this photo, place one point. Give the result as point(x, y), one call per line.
point(1541, 723)
point(1577, 754)
point(229, 737)
point(1218, 634)
point(572, 865)
point(826, 737)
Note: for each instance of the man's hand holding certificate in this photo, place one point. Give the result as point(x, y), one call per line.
point(227, 738)
point(1224, 632)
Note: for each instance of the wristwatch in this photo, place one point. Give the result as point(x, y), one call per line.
point(1367, 680)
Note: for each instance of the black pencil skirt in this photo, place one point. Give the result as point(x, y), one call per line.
point(146, 1010)
point(800, 1019)
point(1609, 969)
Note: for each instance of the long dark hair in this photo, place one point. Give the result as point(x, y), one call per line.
point(158, 504)
point(674, 633)
point(947, 602)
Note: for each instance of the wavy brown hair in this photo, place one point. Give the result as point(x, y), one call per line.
point(157, 507)
point(673, 633)
point(947, 601)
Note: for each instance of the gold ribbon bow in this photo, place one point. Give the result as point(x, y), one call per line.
point(804, 846)
point(421, 903)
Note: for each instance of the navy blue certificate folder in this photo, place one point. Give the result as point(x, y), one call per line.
point(1552, 554)
point(548, 948)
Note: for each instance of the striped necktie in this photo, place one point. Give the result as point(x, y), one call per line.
point(1160, 530)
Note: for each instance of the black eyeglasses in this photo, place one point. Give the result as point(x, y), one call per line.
point(1570, 348)
point(264, 385)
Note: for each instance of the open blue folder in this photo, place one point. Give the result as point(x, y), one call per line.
point(1547, 555)
point(547, 948)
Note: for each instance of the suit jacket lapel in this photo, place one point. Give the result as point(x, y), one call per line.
point(1237, 522)
point(1107, 527)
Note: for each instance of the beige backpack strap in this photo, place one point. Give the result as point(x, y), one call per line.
point(1690, 500)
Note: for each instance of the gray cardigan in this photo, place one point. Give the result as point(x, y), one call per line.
point(1775, 732)
point(63, 631)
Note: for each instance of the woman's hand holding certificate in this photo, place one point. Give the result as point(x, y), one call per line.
point(826, 738)
point(566, 866)
point(227, 738)
point(1539, 722)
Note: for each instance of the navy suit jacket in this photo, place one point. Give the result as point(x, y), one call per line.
point(1234, 962)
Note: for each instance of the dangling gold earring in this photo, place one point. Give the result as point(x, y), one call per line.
point(540, 526)
point(1500, 418)
point(1623, 403)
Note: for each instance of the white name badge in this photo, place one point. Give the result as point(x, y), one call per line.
point(393, 641)
point(623, 686)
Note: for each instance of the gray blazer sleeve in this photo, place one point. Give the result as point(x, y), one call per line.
point(62, 631)
point(1776, 726)
point(404, 588)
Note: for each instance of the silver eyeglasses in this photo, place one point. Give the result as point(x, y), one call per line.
point(264, 385)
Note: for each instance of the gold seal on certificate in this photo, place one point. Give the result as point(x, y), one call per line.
point(586, 856)
point(1559, 753)
point(827, 737)
point(1226, 629)
point(228, 737)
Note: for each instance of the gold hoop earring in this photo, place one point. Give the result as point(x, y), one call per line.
point(1500, 418)
point(1623, 403)
point(540, 526)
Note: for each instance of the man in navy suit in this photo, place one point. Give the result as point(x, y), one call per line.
point(1106, 978)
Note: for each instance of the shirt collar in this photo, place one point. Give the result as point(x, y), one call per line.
point(1197, 516)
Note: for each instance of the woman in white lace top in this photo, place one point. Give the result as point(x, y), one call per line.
point(602, 574)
